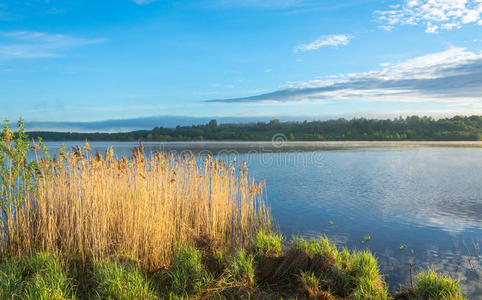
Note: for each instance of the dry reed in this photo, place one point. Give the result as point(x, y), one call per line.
point(144, 208)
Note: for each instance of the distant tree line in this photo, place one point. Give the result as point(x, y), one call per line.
point(411, 128)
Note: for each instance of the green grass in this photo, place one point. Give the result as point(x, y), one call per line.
point(367, 278)
point(431, 285)
point(349, 274)
point(241, 268)
point(310, 283)
point(314, 268)
point(187, 274)
point(267, 244)
point(114, 280)
point(37, 277)
point(321, 247)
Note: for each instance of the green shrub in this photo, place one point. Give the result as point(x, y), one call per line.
point(36, 277)
point(431, 285)
point(187, 274)
point(114, 280)
point(241, 268)
point(267, 244)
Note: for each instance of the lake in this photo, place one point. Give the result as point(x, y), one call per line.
point(419, 202)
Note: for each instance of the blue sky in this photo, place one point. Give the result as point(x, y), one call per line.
point(98, 60)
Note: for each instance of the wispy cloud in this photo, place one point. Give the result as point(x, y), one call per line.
point(33, 44)
point(225, 86)
point(386, 27)
point(451, 76)
point(434, 15)
point(334, 40)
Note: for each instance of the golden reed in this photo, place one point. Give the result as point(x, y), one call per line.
point(91, 206)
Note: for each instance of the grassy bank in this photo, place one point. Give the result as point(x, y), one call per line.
point(265, 270)
point(94, 226)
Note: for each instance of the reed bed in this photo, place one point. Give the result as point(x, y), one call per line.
point(144, 208)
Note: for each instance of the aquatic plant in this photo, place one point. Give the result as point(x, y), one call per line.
point(92, 205)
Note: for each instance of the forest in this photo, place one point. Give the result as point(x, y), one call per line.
point(413, 128)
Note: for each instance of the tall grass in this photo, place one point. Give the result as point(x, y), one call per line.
point(87, 205)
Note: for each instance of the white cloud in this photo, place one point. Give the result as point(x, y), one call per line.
point(268, 70)
point(327, 40)
point(33, 44)
point(433, 14)
point(431, 28)
point(451, 76)
point(386, 27)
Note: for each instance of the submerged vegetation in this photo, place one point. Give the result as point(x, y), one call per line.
point(90, 226)
point(408, 129)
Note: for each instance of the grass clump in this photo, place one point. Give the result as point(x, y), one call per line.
point(267, 244)
point(431, 285)
point(241, 269)
point(320, 247)
point(34, 277)
point(341, 273)
point(115, 280)
point(310, 283)
point(367, 279)
point(187, 275)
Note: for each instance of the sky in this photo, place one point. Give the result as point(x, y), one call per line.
point(85, 61)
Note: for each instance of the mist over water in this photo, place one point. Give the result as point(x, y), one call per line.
point(420, 204)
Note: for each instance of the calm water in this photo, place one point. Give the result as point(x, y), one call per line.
point(425, 200)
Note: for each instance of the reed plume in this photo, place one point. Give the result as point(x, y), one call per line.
point(146, 207)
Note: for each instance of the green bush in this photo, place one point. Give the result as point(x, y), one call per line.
point(431, 285)
point(114, 280)
point(267, 244)
point(36, 277)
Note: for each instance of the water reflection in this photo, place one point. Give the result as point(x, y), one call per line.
point(427, 199)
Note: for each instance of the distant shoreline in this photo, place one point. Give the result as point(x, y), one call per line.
point(335, 143)
point(398, 130)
